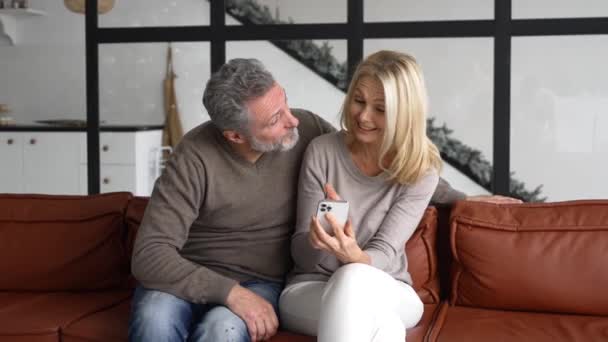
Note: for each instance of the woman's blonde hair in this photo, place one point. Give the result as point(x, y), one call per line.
point(406, 153)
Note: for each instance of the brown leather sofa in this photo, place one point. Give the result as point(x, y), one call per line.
point(531, 272)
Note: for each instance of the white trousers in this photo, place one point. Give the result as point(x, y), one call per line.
point(359, 303)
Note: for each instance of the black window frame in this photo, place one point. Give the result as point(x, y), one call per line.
point(502, 28)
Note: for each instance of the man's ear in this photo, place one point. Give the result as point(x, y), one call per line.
point(234, 137)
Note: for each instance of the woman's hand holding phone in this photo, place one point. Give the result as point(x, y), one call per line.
point(343, 243)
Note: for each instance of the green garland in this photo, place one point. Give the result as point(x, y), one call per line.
point(321, 61)
point(317, 58)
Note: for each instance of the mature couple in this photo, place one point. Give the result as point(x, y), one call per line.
point(236, 203)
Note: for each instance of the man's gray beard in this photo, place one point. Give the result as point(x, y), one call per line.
point(282, 145)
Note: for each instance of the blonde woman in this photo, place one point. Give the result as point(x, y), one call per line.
point(352, 283)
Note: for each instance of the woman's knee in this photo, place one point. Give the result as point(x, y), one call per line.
point(353, 277)
point(412, 309)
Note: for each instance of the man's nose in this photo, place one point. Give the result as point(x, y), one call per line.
point(292, 121)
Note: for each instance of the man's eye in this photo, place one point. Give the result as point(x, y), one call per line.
point(359, 101)
point(275, 120)
point(380, 110)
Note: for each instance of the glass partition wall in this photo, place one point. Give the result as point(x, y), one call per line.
point(516, 101)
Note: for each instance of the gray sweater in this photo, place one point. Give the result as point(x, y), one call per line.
point(214, 218)
point(384, 214)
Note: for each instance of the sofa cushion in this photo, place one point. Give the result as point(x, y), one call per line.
point(285, 336)
point(531, 257)
point(422, 258)
point(110, 324)
point(419, 332)
point(41, 315)
point(457, 323)
point(134, 215)
point(41, 337)
point(59, 243)
point(416, 334)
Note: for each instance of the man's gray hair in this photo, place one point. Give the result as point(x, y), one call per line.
point(228, 89)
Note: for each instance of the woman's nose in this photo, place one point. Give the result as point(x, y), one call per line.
point(365, 114)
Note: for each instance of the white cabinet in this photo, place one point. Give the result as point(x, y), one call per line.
point(50, 162)
point(40, 162)
point(128, 161)
point(11, 162)
point(56, 162)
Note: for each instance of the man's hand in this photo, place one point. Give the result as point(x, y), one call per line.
point(496, 199)
point(258, 314)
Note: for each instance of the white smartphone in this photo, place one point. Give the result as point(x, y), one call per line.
point(338, 208)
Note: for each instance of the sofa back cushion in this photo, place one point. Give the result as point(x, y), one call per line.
point(135, 213)
point(422, 258)
point(62, 243)
point(532, 257)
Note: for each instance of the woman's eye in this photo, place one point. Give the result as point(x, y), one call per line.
point(380, 110)
point(359, 101)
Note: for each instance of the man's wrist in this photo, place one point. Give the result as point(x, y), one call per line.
point(233, 293)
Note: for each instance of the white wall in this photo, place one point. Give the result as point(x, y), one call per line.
point(131, 82)
point(428, 10)
point(559, 114)
point(131, 75)
point(138, 13)
point(559, 8)
point(42, 76)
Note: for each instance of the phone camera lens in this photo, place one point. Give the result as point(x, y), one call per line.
point(322, 209)
point(323, 205)
point(328, 208)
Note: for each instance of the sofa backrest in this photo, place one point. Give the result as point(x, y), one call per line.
point(531, 257)
point(62, 243)
point(134, 215)
point(422, 258)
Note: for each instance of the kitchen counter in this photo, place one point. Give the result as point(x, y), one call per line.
point(35, 127)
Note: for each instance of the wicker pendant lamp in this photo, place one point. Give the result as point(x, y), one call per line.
point(78, 6)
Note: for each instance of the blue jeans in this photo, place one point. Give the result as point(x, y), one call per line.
point(161, 317)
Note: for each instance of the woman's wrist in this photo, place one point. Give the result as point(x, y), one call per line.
point(363, 258)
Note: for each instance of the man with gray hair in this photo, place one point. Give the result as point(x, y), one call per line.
point(213, 246)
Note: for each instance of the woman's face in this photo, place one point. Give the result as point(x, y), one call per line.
point(366, 111)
